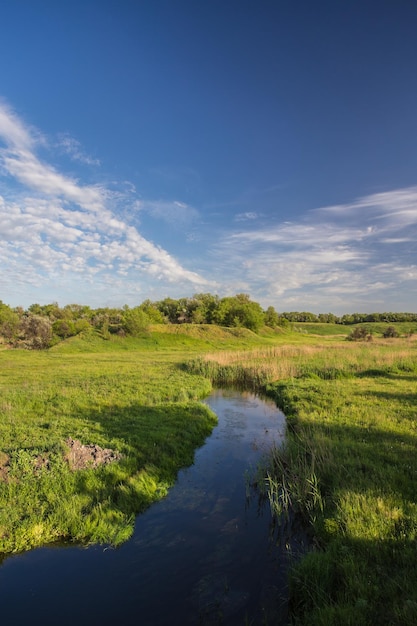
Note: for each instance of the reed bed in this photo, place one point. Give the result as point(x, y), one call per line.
point(255, 368)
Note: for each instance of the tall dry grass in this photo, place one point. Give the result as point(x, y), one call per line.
point(253, 367)
point(259, 366)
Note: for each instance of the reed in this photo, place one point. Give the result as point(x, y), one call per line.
point(255, 368)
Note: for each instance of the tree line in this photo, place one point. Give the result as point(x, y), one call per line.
point(349, 318)
point(40, 326)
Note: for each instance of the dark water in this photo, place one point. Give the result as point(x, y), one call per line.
point(203, 555)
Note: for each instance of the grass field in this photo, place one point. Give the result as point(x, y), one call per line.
point(348, 469)
point(129, 396)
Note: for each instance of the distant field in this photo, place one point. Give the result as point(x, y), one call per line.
point(321, 329)
point(377, 328)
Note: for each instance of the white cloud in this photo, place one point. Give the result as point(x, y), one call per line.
point(12, 131)
point(73, 149)
point(333, 258)
point(75, 241)
point(174, 212)
point(248, 215)
point(391, 210)
point(52, 224)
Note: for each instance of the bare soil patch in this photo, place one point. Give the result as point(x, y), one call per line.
point(4, 466)
point(81, 456)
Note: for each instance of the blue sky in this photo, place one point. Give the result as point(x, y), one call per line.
point(166, 148)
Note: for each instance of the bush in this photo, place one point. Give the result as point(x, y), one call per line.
point(391, 331)
point(9, 322)
point(135, 322)
point(35, 332)
point(360, 333)
point(64, 328)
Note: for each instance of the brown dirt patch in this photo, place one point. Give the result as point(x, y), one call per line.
point(80, 456)
point(4, 466)
point(41, 462)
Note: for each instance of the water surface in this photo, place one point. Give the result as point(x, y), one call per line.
point(203, 555)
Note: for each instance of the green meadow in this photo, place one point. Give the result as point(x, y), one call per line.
point(347, 471)
point(127, 395)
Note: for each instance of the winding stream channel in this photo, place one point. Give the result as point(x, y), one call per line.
point(203, 555)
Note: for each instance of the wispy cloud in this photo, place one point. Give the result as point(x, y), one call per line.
point(247, 216)
point(74, 150)
point(174, 212)
point(53, 225)
point(338, 257)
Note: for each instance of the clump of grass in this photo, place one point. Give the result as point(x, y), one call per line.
point(292, 480)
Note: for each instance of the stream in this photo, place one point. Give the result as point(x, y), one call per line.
point(206, 554)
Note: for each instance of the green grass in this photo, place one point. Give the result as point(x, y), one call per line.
point(348, 471)
point(376, 328)
point(129, 394)
point(137, 401)
point(319, 328)
point(363, 431)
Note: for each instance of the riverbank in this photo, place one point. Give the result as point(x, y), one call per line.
point(348, 472)
point(130, 396)
point(205, 549)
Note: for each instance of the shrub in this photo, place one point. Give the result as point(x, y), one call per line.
point(360, 333)
point(135, 322)
point(64, 328)
point(9, 322)
point(391, 331)
point(35, 332)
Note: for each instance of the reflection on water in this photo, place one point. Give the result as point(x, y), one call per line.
point(200, 556)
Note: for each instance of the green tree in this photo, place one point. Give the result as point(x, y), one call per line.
point(107, 320)
point(9, 322)
point(360, 333)
point(207, 305)
point(271, 317)
point(391, 332)
point(51, 310)
point(64, 328)
point(240, 311)
point(328, 318)
point(77, 312)
point(169, 309)
point(135, 322)
point(297, 316)
point(185, 310)
point(151, 310)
